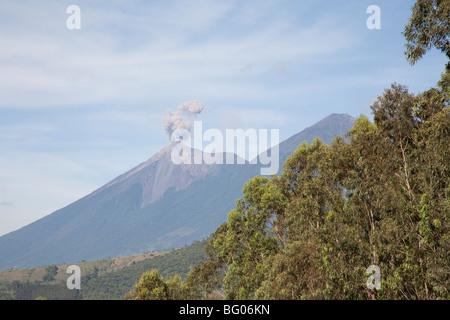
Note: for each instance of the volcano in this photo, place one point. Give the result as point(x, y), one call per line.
point(157, 205)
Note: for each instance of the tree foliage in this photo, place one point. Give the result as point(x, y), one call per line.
point(429, 26)
point(379, 199)
point(152, 286)
point(51, 272)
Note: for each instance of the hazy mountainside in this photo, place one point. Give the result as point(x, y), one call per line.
point(325, 129)
point(156, 206)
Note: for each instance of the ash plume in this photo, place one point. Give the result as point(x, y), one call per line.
point(183, 117)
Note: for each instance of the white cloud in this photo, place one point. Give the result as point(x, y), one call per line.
point(257, 118)
point(122, 116)
point(49, 66)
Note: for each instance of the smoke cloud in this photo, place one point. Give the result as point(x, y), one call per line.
point(183, 118)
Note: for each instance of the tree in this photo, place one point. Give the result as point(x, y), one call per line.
point(240, 245)
point(429, 26)
point(152, 286)
point(51, 272)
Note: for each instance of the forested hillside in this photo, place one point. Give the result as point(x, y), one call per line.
point(108, 279)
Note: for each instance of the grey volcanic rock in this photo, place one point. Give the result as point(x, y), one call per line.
point(157, 175)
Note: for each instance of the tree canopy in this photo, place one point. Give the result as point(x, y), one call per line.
point(429, 26)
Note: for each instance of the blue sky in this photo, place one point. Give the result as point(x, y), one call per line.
point(79, 107)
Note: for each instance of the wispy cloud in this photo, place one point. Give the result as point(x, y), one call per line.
point(6, 204)
point(160, 51)
point(254, 118)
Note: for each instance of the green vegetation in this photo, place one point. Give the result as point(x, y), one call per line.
point(381, 198)
point(115, 285)
point(51, 272)
point(102, 279)
point(152, 286)
point(429, 26)
point(41, 291)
